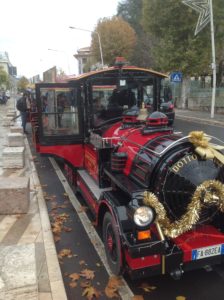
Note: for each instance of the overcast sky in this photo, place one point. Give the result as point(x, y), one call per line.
point(28, 28)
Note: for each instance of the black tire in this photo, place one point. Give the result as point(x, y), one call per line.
point(112, 244)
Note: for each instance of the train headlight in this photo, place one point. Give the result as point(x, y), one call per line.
point(143, 216)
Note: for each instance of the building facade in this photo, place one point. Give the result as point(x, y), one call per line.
point(6, 64)
point(84, 57)
point(10, 70)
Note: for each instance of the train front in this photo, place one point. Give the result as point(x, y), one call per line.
point(172, 219)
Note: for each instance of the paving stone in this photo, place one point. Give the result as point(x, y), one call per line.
point(18, 268)
point(13, 157)
point(25, 293)
point(15, 139)
point(7, 121)
point(17, 129)
point(11, 114)
point(14, 195)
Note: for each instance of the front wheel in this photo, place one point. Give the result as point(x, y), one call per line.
point(112, 244)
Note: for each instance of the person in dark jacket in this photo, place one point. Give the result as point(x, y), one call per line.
point(23, 105)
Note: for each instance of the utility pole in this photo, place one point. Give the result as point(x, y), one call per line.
point(99, 39)
point(213, 60)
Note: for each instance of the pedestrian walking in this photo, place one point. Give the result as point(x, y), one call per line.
point(23, 105)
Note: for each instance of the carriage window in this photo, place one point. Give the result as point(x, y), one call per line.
point(109, 102)
point(59, 111)
point(148, 97)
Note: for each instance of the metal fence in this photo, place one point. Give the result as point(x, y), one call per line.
point(198, 96)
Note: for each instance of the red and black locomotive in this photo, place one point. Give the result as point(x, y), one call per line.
point(158, 195)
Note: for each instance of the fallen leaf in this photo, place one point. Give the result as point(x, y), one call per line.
point(111, 292)
point(49, 198)
point(62, 206)
point(137, 297)
point(84, 284)
point(83, 209)
point(56, 228)
point(88, 274)
point(36, 186)
point(67, 229)
point(73, 284)
point(63, 216)
point(91, 293)
point(54, 206)
point(146, 287)
point(57, 238)
point(112, 287)
point(115, 282)
point(95, 223)
point(74, 276)
point(65, 252)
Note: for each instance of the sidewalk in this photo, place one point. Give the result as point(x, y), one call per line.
point(199, 117)
point(29, 267)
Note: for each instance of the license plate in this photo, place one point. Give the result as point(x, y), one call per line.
point(207, 252)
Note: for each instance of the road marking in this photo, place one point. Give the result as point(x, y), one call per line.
point(124, 291)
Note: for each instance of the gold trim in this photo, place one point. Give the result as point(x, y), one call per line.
point(127, 68)
point(163, 265)
point(161, 235)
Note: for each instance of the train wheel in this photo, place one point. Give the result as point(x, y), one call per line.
point(112, 244)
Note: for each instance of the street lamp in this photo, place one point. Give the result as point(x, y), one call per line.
point(100, 45)
point(55, 50)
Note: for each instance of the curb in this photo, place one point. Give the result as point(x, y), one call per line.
point(54, 271)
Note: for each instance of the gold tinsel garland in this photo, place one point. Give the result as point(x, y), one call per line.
point(209, 192)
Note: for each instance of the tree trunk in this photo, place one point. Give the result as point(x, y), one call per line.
point(185, 90)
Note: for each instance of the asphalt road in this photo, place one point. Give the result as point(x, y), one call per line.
point(187, 126)
point(195, 285)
